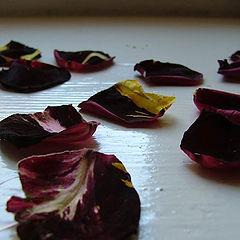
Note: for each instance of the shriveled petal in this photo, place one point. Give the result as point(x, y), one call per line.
point(213, 141)
point(230, 70)
point(83, 60)
point(168, 73)
point(235, 57)
point(127, 102)
point(55, 125)
point(15, 51)
point(26, 76)
point(76, 195)
point(225, 103)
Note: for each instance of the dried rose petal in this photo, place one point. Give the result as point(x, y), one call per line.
point(75, 195)
point(227, 104)
point(56, 125)
point(235, 57)
point(26, 76)
point(15, 50)
point(231, 70)
point(168, 73)
point(83, 60)
point(213, 141)
point(127, 102)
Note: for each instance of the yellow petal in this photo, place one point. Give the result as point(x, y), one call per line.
point(3, 48)
point(119, 166)
point(94, 55)
point(31, 56)
point(152, 102)
point(127, 183)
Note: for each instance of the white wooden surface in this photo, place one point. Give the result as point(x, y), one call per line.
point(180, 200)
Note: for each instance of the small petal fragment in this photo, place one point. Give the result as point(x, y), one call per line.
point(83, 60)
point(15, 51)
point(56, 125)
point(225, 103)
point(75, 195)
point(231, 70)
point(168, 73)
point(127, 102)
point(26, 76)
point(235, 57)
point(213, 141)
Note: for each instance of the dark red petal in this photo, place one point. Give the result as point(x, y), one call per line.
point(21, 130)
point(235, 57)
point(225, 103)
point(15, 51)
point(127, 102)
point(83, 60)
point(168, 73)
point(213, 141)
point(24, 76)
point(18, 204)
point(56, 125)
point(82, 195)
point(231, 70)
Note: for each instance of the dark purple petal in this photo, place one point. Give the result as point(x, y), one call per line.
point(25, 76)
point(213, 141)
point(168, 73)
point(83, 60)
point(231, 70)
point(235, 57)
point(15, 51)
point(75, 195)
point(127, 102)
point(227, 104)
point(56, 125)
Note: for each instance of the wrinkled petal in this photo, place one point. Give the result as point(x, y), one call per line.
point(213, 141)
point(231, 70)
point(235, 57)
point(15, 51)
point(75, 195)
point(168, 73)
point(26, 76)
point(83, 60)
point(225, 103)
point(56, 125)
point(127, 102)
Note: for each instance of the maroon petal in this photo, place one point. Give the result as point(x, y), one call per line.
point(56, 125)
point(19, 204)
point(25, 76)
point(15, 51)
point(127, 102)
point(213, 141)
point(75, 195)
point(227, 104)
point(168, 73)
point(235, 57)
point(231, 70)
point(83, 60)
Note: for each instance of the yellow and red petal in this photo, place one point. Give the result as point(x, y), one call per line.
point(82, 61)
point(127, 102)
point(16, 51)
